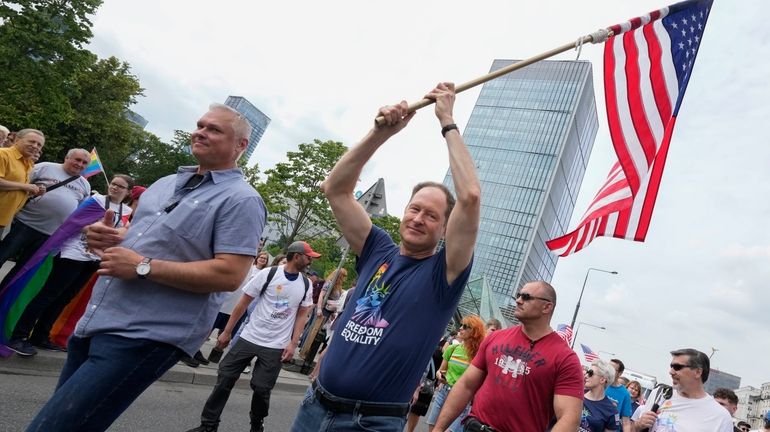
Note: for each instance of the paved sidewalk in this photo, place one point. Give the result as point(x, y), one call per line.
point(51, 362)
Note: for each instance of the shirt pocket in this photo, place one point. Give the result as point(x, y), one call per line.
point(188, 218)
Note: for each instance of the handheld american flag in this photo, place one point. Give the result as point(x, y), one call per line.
point(589, 355)
point(565, 332)
point(647, 65)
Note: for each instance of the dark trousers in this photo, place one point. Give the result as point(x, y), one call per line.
point(66, 279)
point(102, 376)
point(20, 244)
point(263, 379)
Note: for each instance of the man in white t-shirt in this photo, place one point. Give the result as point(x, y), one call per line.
point(690, 407)
point(271, 335)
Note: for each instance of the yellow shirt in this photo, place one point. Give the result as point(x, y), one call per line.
point(13, 167)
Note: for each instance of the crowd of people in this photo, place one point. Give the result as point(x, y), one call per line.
point(190, 263)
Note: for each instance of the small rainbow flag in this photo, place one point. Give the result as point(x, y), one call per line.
point(94, 167)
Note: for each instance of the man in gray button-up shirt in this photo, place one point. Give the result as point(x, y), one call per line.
point(193, 238)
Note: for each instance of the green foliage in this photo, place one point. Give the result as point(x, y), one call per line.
point(41, 54)
point(330, 257)
point(390, 224)
point(293, 195)
point(153, 159)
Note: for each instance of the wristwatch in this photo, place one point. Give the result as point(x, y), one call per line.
point(143, 268)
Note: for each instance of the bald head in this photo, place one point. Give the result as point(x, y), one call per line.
point(544, 289)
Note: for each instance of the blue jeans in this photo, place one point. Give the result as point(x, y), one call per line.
point(314, 417)
point(435, 408)
point(102, 376)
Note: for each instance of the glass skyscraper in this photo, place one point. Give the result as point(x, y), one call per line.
point(258, 120)
point(530, 135)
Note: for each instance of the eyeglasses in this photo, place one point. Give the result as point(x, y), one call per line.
point(119, 186)
point(465, 327)
point(590, 373)
point(679, 366)
point(744, 428)
point(527, 297)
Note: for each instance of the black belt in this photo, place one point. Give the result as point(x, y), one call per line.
point(363, 408)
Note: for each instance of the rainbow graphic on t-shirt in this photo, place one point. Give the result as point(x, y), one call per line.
point(368, 307)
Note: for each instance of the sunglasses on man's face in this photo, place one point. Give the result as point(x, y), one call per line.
point(527, 297)
point(678, 366)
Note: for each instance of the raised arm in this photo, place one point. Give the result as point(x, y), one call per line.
point(352, 219)
point(463, 223)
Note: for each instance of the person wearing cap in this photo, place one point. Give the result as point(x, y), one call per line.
point(283, 304)
point(689, 408)
point(162, 280)
point(407, 292)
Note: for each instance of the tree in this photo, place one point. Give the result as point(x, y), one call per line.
point(390, 224)
point(41, 50)
point(154, 159)
point(292, 192)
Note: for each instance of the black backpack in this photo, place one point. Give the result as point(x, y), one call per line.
point(270, 275)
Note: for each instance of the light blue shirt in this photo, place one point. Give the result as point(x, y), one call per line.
point(222, 215)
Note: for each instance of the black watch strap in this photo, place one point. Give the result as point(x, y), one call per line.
point(448, 128)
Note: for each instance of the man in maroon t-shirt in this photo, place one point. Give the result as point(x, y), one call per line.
point(521, 377)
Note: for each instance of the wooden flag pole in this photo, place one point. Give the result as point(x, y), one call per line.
point(598, 36)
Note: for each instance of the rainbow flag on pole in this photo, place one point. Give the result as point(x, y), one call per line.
point(94, 167)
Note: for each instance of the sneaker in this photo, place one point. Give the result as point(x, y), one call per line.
point(259, 426)
point(202, 360)
point(49, 346)
point(21, 347)
point(189, 361)
point(204, 428)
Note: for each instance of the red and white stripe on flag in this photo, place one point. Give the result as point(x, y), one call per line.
point(647, 65)
point(588, 354)
point(565, 332)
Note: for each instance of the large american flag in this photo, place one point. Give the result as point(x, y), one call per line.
point(589, 355)
point(647, 65)
point(565, 332)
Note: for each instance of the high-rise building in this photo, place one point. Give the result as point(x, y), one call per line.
point(135, 118)
point(530, 135)
point(720, 379)
point(258, 120)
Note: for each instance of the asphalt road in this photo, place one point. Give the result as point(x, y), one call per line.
point(164, 407)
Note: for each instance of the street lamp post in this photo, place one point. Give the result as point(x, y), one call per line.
point(574, 335)
point(577, 306)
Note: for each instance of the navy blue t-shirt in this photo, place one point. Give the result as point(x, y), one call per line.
point(599, 416)
point(387, 333)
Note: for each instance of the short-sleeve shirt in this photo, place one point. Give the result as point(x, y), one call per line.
point(680, 414)
point(221, 215)
point(619, 394)
point(272, 321)
point(522, 379)
point(386, 335)
point(46, 213)
point(76, 248)
point(457, 361)
point(599, 416)
point(13, 167)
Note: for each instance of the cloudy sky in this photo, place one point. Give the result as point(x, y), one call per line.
point(321, 70)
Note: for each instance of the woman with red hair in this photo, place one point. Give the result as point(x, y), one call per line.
point(457, 358)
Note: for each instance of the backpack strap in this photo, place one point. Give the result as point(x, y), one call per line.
point(270, 275)
point(307, 285)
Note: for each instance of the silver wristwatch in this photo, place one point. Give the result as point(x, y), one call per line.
point(143, 268)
